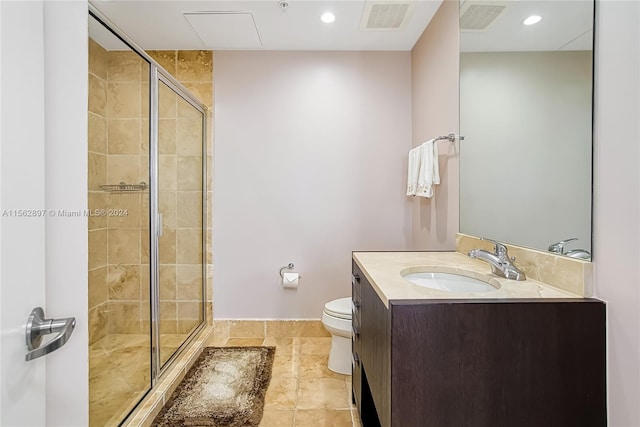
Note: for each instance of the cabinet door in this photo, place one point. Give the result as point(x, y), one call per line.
point(356, 366)
point(525, 363)
point(375, 341)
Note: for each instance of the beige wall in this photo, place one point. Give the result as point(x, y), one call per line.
point(119, 290)
point(616, 240)
point(434, 84)
point(310, 165)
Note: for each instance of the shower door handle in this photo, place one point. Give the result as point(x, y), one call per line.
point(38, 326)
point(159, 224)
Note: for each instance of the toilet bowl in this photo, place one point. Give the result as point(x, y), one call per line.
point(336, 319)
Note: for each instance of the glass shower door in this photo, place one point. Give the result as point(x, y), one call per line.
point(180, 207)
point(146, 166)
point(118, 202)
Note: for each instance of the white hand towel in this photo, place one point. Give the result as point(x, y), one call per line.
point(429, 174)
point(413, 169)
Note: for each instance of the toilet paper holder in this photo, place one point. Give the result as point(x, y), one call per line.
point(289, 266)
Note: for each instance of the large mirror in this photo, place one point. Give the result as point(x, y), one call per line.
point(526, 115)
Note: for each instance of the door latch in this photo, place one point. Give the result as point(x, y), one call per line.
point(38, 326)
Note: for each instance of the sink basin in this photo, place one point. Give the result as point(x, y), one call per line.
point(448, 282)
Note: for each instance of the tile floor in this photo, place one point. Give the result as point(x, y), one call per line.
point(303, 392)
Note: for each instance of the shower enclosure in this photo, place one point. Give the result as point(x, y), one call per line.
point(147, 217)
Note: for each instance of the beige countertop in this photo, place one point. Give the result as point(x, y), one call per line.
point(383, 269)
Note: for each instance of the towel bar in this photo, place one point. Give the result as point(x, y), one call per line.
point(451, 137)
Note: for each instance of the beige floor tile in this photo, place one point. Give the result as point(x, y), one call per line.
point(314, 328)
point(302, 391)
point(284, 346)
point(275, 418)
point(98, 363)
point(130, 356)
point(282, 393)
point(110, 395)
point(323, 418)
point(216, 342)
point(348, 385)
point(119, 376)
point(244, 342)
point(323, 393)
point(96, 350)
point(285, 366)
point(128, 404)
point(102, 412)
point(246, 329)
point(106, 383)
point(221, 328)
point(320, 345)
point(296, 328)
point(166, 352)
point(172, 340)
point(315, 366)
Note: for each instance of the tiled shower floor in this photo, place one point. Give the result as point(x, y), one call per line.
point(119, 374)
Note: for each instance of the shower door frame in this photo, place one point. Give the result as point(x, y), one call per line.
point(158, 74)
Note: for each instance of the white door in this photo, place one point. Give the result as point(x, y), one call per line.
point(43, 162)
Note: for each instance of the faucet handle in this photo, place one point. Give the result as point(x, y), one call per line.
point(499, 248)
point(558, 247)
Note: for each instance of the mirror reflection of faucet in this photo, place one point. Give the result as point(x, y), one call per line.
point(501, 264)
point(558, 248)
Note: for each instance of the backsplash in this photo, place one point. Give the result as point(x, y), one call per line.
point(569, 274)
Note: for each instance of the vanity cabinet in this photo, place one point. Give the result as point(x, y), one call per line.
point(493, 363)
point(371, 348)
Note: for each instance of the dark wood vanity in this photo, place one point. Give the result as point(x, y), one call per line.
point(477, 362)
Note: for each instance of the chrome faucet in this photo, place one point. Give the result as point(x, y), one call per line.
point(558, 248)
point(501, 264)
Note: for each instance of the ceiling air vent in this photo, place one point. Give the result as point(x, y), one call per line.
point(386, 16)
point(477, 16)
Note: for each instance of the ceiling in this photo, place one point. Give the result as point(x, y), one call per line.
point(264, 24)
point(565, 25)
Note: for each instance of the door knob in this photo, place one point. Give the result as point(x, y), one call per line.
point(38, 326)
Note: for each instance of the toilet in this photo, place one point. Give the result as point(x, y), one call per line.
point(336, 319)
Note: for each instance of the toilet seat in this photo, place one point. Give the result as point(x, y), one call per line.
point(340, 308)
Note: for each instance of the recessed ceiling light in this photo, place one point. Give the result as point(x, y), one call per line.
point(533, 19)
point(328, 17)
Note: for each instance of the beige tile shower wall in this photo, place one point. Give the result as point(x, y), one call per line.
point(180, 191)
point(97, 162)
point(118, 152)
point(127, 161)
